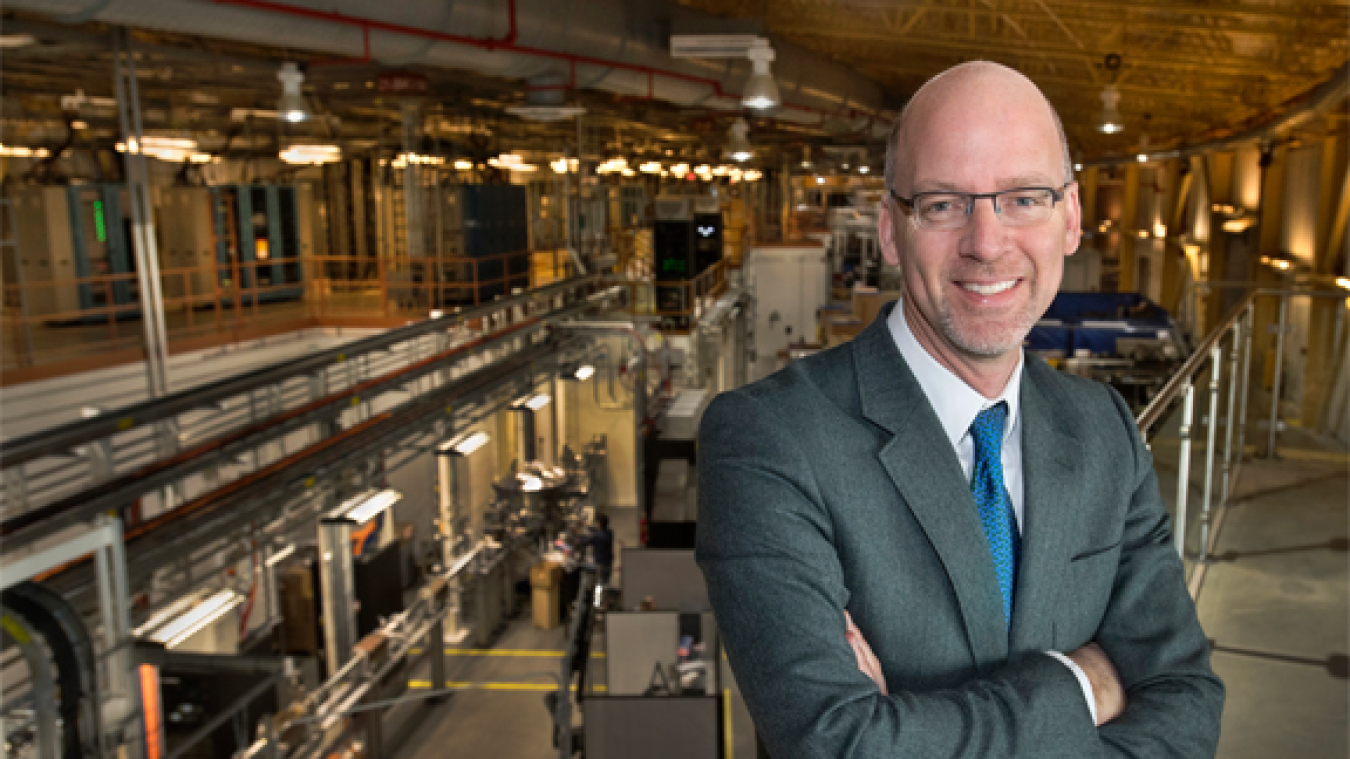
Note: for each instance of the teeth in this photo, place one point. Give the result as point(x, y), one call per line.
point(993, 289)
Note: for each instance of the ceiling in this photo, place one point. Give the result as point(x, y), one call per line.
point(195, 86)
point(1189, 70)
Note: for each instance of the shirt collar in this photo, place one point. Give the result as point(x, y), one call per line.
point(955, 402)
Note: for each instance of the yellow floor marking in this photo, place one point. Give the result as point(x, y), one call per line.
point(532, 687)
point(507, 652)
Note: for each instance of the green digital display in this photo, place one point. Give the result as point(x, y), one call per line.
point(100, 228)
point(673, 265)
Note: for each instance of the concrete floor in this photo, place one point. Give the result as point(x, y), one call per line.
point(1273, 600)
point(1274, 603)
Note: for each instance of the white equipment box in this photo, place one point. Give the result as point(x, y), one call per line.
point(790, 284)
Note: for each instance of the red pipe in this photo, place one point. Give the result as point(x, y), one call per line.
point(505, 43)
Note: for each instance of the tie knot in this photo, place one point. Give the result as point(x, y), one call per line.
point(987, 429)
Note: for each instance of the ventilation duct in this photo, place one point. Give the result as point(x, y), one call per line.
point(610, 45)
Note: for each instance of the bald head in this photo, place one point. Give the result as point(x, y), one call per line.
point(980, 86)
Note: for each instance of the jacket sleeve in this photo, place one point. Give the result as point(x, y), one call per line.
point(765, 546)
point(1151, 633)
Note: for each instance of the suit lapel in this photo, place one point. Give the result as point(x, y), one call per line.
point(1048, 469)
point(928, 476)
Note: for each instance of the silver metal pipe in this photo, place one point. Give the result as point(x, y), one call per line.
point(1250, 319)
point(1184, 467)
point(1163, 400)
point(1215, 370)
point(1234, 350)
point(1279, 370)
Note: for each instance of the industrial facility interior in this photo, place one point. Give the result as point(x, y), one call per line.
point(333, 329)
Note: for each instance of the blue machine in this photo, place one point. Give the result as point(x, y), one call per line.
point(100, 245)
point(258, 224)
point(1097, 323)
point(1123, 339)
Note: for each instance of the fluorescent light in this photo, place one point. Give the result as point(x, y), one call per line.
point(465, 444)
point(10, 41)
point(529, 483)
point(820, 180)
point(364, 508)
point(281, 555)
point(863, 169)
point(197, 619)
point(1142, 157)
point(651, 167)
point(538, 402)
point(311, 154)
point(164, 615)
point(584, 372)
point(1343, 282)
point(1078, 167)
point(19, 151)
point(463, 165)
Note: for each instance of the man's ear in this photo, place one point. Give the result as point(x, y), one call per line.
point(1073, 220)
point(886, 233)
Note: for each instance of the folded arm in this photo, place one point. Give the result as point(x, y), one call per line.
point(776, 583)
point(1151, 634)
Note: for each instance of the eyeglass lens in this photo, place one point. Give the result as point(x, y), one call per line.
point(1021, 206)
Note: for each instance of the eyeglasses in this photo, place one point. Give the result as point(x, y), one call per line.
point(1018, 207)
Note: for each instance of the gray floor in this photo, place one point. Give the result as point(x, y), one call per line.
point(1274, 603)
point(1273, 600)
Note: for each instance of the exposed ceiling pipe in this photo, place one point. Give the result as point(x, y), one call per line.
point(618, 39)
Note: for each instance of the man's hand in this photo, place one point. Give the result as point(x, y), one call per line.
point(1106, 688)
point(867, 661)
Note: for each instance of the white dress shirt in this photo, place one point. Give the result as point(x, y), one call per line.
point(957, 404)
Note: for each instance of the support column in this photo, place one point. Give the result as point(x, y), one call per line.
point(142, 220)
point(412, 184)
point(1129, 223)
point(1087, 196)
point(1332, 209)
point(1173, 254)
point(336, 574)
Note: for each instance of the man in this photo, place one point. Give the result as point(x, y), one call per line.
point(601, 541)
point(991, 527)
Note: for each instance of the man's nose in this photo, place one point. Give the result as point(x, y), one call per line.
point(985, 233)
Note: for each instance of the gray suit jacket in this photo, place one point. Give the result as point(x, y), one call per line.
point(830, 486)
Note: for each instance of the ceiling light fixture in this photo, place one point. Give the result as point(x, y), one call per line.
point(19, 151)
point(11, 41)
point(1111, 121)
point(291, 106)
point(738, 142)
point(761, 91)
point(311, 154)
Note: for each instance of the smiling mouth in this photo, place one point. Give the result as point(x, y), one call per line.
point(992, 288)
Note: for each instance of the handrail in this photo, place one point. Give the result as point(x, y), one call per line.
point(1178, 382)
point(67, 436)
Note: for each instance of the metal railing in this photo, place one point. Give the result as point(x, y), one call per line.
point(61, 320)
point(1221, 370)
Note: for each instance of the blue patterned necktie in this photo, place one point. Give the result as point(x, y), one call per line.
point(992, 499)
